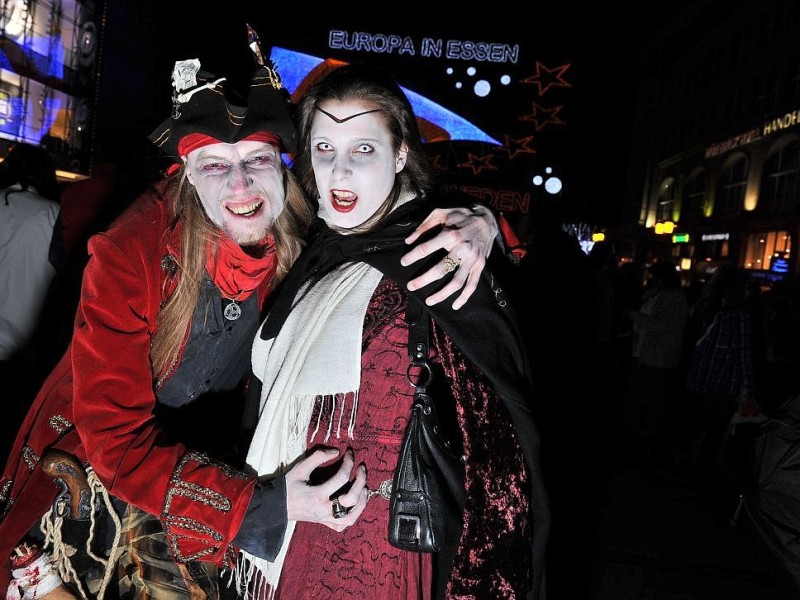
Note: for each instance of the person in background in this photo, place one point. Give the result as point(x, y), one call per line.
point(776, 342)
point(139, 423)
point(30, 254)
point(603, 262)
point(30, 246)
point(721, 373)
point(332, 361)
point(558, 313)
point(658, 325)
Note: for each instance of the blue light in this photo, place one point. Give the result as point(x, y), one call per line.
point(37, 58)
point(779, 265)
point(294, 67)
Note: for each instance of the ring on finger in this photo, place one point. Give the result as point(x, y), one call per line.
point(338, 510)
point(450, 264)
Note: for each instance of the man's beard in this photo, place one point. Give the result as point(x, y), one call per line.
point(250, 237)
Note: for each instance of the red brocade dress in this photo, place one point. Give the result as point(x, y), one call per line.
point(493, 559)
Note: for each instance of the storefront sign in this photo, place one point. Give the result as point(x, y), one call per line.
point(769, 127)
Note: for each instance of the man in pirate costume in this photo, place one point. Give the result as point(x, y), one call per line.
point(131, 442)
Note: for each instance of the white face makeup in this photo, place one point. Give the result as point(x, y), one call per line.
point(240, 186)
point(353, 160)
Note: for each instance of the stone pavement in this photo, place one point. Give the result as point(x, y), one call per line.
point(659, 539)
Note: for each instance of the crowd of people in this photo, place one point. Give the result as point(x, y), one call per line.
point(703, 364)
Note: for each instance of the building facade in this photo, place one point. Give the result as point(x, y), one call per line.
point(48, 73)
point(715, 167)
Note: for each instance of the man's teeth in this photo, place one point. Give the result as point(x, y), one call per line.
point(245, 209)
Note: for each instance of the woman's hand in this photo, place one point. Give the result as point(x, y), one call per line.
point(313, 503)
point(468, 235)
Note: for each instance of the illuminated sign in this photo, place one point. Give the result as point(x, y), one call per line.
point(666, 227)
point(465, 138)
point(769, 127)
point(429, 47)
point(503, 200)
point(296, 67)
point(711, 237)
point(788, 120)
point(680, 238)
point(734, 142)
point(779, 265)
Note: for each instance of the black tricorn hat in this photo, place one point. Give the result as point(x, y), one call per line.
point(205, 104)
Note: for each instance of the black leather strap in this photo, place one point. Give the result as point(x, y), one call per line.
point(419, 373)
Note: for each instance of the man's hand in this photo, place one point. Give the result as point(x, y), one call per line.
point(313, 503)
point(468, 235)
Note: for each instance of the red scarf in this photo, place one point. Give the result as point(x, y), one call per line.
point(235, 272)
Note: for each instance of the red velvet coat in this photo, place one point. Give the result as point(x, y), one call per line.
point(98, 403)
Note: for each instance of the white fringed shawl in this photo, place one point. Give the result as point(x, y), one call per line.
point(323, 331)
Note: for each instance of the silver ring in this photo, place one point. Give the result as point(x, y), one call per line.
point(338, 510)
point(450, 264)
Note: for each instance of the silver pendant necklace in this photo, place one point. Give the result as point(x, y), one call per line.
point(233, 311)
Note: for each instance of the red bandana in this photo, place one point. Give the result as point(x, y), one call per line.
point(193, 141)
point(235, 272)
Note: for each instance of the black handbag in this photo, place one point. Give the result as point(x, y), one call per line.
point(427, 501)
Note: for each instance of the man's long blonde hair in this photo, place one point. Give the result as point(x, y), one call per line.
point(176, 313)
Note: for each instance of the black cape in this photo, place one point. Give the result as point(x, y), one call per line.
point(485, 329)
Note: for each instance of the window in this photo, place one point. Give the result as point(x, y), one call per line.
point(735, 50)
point(773, 90)
point(695, 194)
point(780, 184)
point(782, 17)
point(759, 98)
point(767, 249)
point(766, 29)
point(666, 201)
point(713, 247)
point(792, 89)
point(732, 185)
point(40, 49)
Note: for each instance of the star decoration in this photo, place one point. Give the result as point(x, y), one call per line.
point(542, 116)
point(547, 78)
point(436, 163)
point(442, 155)
point(478, 163)
point(518, 146)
